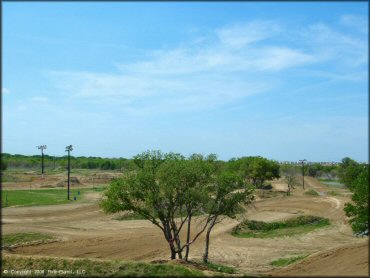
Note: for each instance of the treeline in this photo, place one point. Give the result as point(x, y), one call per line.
point(315, 170)
point(17, 161)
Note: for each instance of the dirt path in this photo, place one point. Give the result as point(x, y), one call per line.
point(87, 232)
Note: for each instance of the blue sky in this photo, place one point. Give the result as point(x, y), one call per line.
point(282, 80)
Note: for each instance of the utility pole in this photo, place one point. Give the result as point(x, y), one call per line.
point(69, 149)
point(302, 162)
point(42, 148)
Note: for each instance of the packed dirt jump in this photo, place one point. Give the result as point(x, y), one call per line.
point(84, 231)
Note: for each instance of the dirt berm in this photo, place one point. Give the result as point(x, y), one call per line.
point(351, 260)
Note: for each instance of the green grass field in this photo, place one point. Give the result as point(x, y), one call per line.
point(332, 183)
point(93, 268)
point(38, 197)
point(290, 227)
point(19, 238)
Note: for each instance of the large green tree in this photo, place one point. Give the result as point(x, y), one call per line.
point(257, 170)
point(348, 171)
point(167, 190)
point(358, 210)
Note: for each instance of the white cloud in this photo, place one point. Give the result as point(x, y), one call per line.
point(225, 66)
point(39, 99)
point(337, 46)
point(241, 35)
point(5, 91)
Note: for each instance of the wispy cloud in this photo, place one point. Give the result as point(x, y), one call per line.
point(5, 91)
point(332, 45)
point(355, 21)
point(39, 99)
point(224, 66)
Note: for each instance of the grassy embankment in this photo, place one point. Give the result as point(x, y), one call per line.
point(38, 197)
point(92, 268)
point(23, 238)
point(290, 227)
point(287, 261)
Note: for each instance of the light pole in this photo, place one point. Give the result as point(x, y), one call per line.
point(69, 149)
point(302, 162)
point(42, 148)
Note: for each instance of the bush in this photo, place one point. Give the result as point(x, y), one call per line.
point(292, 222)
point(312, 192)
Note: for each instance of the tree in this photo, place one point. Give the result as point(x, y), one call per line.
point(290, 179)
point(256, 169)
point(167, 190)
point(314, 170)
point(359, 209)
point(228, 196)
point(349, 171)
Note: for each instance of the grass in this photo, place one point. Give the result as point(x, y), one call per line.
point(21, 238)
point(129, 216)
point(332, 183)
point(334, 193)
point(290, 227)
point(312, 192)
point(94, 268)
point(220, 268)
point(38, 197)
point(287, 261)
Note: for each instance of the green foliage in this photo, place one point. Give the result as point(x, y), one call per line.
point(292, 226)
point(311, 192)
point(287, 261)
point(358, 211)
point(97, 268)
point(52, 163)
point(163, 188)
point(349, 171)
point(129, 216)
point(168, 189)
point(4, 165)
point(22, 238)
point(255, 169)
point(314, 169)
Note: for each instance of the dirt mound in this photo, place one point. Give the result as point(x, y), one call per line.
point(349, 260)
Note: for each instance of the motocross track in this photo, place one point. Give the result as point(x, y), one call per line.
point(86, 232)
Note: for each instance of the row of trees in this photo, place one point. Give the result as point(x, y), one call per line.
point(53, 162)
point(315, 170)
point(186, 197)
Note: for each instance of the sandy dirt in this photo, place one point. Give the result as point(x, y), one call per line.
point(86, 232)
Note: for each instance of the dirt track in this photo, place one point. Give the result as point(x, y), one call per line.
point(87, 232)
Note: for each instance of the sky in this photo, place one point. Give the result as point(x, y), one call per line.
point(284, 80)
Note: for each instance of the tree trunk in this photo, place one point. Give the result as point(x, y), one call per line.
point(205, 255)
point(173, 254)
point(168, 236)
point(188, 239)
